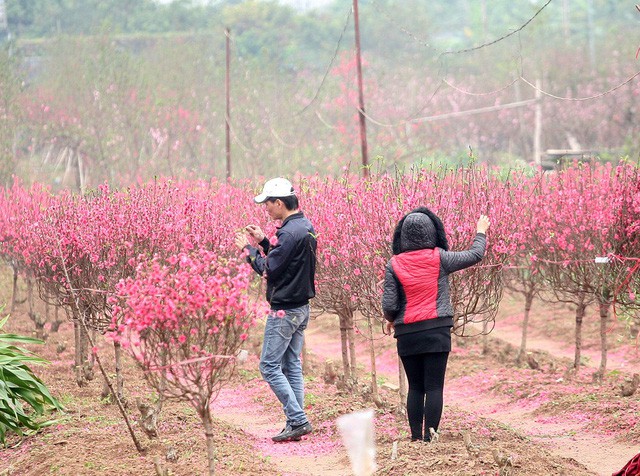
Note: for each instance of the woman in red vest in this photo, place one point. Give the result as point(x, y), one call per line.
point(417, 306)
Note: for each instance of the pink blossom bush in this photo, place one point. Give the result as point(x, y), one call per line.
point(183, 319)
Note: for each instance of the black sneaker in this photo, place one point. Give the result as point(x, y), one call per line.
point(285, 429)
point(293, 433)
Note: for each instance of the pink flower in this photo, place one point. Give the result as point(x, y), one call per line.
point(182, 339)
point(280, 313)
point(244, 336)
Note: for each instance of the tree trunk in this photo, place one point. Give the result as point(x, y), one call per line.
point(83, 326)
point(83, 372)
point(30, 295)
point(14, 293)
point(207, 422)
point(91, 360)
point(372, 353)
point(89, 357)
point(117, 350)
point(55, 325)
point(580, 312)
point(485, 337)
point(344, 344)
point(77, 335)
point(604, 306)
point(528, 300)
point(352, 346)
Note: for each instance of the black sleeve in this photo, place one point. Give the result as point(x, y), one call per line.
point(390, 294)
point(264, 244)
point(256, 259)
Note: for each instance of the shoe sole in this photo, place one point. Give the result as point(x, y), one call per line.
point(295, 438)
point(276, 439)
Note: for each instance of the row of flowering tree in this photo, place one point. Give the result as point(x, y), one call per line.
point(356, 218)
point(78, 248)
point(580, 245)
point(153, 264)
point(547, 231)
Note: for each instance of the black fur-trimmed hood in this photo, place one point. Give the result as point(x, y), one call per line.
point(419, 229)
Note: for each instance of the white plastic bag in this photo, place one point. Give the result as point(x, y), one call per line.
point(357, 434)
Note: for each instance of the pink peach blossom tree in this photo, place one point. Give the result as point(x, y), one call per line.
point(183, 319)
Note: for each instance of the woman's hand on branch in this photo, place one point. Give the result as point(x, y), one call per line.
point(483, 224)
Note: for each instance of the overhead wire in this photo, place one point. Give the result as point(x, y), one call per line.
point(442, 81)
point(412, 119)
point(328, 70)
point(490, 93)
point(320, 86)
point(497, 40)
point(490, 108)
point(587, 98)
point(315, 96)
point(400, 27)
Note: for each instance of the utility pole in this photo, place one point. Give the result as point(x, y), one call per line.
point(537, 129)
point(4, 22)
point(227, 117)
point(363, 122)
point(592, 38)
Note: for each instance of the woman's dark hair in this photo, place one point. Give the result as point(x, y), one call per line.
point(441, 236)
point(290, 202)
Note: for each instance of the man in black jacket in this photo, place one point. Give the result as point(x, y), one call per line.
point(289, 266)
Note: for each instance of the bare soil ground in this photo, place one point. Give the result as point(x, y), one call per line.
point(549, 421)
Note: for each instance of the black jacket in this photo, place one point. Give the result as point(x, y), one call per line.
point(290, 265)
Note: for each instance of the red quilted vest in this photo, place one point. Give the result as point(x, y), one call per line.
point(418, 273)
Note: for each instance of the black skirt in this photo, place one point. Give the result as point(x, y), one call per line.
point(425, 341)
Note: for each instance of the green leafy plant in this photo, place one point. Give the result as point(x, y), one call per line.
point(23, 396)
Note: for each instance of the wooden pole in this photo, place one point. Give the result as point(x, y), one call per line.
point(363, 123)
point(591, 35)
point(227, 118)
point(4, 23)
point(537, 137)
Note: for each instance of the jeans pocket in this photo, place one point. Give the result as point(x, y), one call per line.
point(287, 326)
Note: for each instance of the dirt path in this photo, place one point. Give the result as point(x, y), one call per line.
point(509, 329)
point(315, 455)
point(599, 453)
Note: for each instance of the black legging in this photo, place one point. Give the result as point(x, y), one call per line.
point(425, 373)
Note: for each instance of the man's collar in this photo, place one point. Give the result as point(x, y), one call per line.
point(297, 214)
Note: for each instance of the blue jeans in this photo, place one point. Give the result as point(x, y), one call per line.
point(280, 363)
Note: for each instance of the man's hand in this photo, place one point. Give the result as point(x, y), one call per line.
point(255, 232)
point(241, 241)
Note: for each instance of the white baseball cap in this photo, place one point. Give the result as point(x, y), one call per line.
point(275, 188)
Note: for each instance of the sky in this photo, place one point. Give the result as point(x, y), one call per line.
point(305, 4)
point(299, 4)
